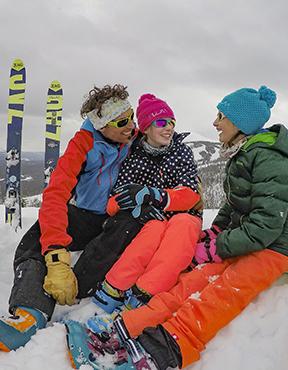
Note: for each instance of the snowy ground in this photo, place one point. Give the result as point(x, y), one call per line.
point(256, 340)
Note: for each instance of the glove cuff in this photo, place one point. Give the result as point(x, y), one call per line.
point(160, 196)
point(58, 256)
point(212, 251)
point(216, 229)
point(182, 198)
point(112, 206)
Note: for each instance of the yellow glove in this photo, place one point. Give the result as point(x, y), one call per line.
point(60, 281)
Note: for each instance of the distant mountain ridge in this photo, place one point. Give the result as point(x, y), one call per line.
point(211, 170)
point(206, 154)
point(32, 169)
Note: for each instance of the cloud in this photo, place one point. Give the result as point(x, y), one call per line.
point(190, 53)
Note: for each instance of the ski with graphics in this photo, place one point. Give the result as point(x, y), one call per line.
point(53, 128)
point(105, 351)
point(17, 84)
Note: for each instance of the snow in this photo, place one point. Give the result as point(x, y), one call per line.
point(255, 340)
point(28, 178)
point(195, 136)
point(197, 150)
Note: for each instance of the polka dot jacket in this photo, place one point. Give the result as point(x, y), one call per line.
point(169, 170)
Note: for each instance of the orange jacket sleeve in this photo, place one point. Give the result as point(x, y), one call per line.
point(53, 216)
point(181, 198)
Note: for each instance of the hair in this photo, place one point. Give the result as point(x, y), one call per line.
point(97, 96)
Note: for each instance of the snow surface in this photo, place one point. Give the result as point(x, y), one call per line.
point(195, 136)
point(199, 157)
point(255, 340)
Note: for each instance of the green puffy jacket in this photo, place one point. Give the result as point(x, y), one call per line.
point(254, 216)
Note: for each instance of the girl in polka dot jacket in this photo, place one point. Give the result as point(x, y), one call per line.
point(159, 178)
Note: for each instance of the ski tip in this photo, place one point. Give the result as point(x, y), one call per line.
point(17, 64)
point(55, 85)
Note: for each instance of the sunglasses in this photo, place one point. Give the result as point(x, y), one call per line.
point(163, 122)
point(122, 122)
point(220, 116)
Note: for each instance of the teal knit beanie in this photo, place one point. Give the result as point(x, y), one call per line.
point(248, 109)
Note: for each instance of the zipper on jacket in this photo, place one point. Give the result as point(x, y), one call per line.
point(117, 163)
point(228, 184)
point(101, 169)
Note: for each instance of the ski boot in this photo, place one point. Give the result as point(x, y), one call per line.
point(16, 330)
point(136, 297)
point(107, 297)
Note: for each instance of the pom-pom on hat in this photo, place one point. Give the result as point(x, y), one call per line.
point(248, 109)
point(151, 108)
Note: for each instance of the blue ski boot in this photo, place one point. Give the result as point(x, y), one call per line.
point(108, 298)
point(17, 330)
point(136, 297)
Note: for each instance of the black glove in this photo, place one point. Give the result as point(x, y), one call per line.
point(133, 195)
point(145, 213)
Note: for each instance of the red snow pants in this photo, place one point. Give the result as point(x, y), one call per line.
point(157, 255)
point(206, 299)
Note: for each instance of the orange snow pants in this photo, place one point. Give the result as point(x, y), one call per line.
point(206, 299)
point(157, 255)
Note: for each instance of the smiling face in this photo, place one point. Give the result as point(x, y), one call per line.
point(123, 134)
point(226, 129)
point(159, 136)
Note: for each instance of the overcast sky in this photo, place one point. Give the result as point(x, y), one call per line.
point(189, 52)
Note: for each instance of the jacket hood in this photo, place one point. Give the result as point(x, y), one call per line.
point(281, 142)
point(177, 138)
point(275, 138)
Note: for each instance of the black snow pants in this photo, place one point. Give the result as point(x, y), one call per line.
point(102, 241)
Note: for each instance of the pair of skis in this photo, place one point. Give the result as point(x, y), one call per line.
point(17, 85)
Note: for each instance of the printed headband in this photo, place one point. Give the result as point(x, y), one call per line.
point(111, 109)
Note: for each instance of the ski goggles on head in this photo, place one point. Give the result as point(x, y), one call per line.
point(163, 122)
point(122, 122)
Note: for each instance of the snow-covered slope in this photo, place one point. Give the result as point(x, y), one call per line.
point(205, 152)
point(256, 340)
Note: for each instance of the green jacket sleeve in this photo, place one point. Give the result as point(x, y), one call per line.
point(223, 219)
point(268, 212)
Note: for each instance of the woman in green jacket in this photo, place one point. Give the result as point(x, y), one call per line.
point(247, 245)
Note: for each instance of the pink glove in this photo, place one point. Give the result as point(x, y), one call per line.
point(210, 233)
point(206, 252)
